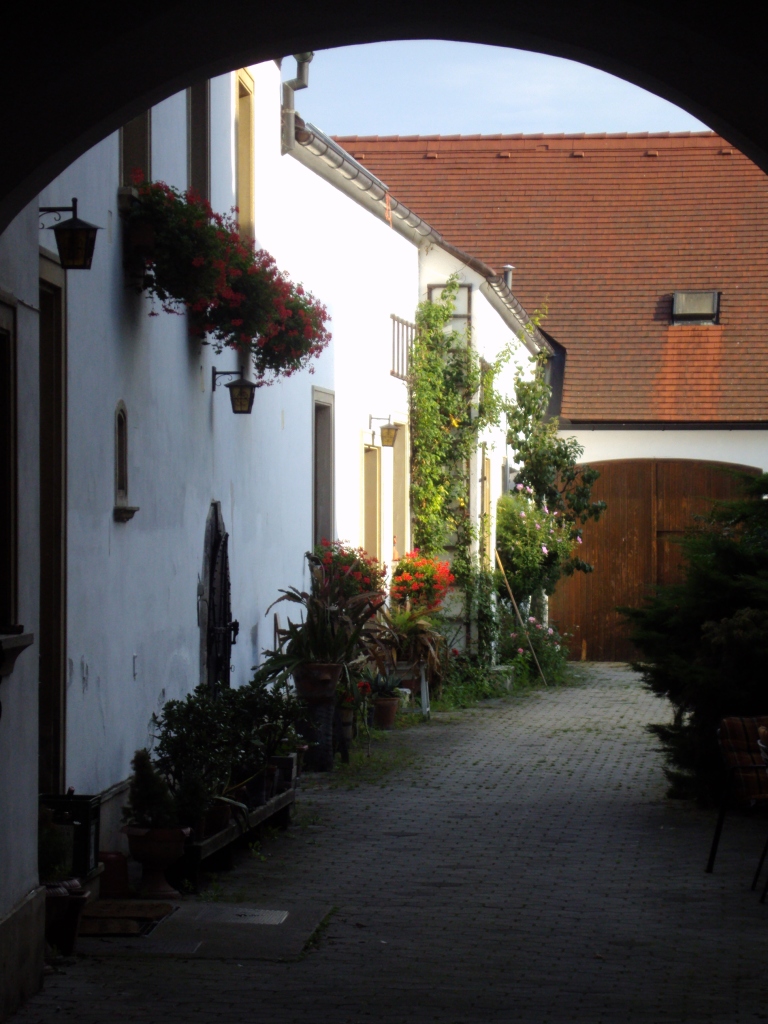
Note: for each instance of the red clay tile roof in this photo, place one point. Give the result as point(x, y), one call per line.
point(602, 229)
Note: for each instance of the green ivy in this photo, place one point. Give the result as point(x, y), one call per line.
point(452, 398)
point(549, 466)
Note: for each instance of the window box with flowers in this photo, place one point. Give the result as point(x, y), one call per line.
point(193, 260)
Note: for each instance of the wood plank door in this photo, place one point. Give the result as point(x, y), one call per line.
point(651, 503)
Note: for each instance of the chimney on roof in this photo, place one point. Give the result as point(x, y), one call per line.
point(508, 268)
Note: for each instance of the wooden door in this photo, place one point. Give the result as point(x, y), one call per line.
point(651, 503)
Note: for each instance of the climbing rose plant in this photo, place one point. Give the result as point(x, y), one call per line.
point(533, 541)
point(194, 260)
point(421, 581)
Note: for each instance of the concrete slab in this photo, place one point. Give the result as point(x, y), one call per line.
point(219, 931)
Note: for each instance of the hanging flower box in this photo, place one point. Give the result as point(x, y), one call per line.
point(193, 260)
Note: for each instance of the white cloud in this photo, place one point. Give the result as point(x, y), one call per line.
point(427, 87)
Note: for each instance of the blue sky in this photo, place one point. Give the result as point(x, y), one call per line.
point(428, 87)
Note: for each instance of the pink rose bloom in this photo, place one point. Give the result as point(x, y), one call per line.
point(578, 540)
point(519, 650)
point(529, 490)
point(518, 487)
point(546, 510)
point(550, 631)
point(531, 618)
point(537, 526)
point(544, 549)
point(513, 635)
point(522, 515)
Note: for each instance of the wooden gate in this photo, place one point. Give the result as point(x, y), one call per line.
point(651, 503)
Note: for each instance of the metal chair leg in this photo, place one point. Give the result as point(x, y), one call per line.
point(716, 837)
point(760, 865)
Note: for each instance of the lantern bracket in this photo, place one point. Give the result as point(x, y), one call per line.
point(58, 210)
point(215, 374)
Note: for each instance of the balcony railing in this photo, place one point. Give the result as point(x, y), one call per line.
point(403, 333)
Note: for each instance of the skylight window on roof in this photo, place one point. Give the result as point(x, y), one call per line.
point(695, 307)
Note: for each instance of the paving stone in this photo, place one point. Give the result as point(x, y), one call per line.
point(526, 868)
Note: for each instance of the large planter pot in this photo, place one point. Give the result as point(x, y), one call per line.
point(316, 681)
point(156, 849)
point(64, 903)
point(385, 711)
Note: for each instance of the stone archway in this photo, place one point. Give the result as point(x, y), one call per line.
point(71, 81)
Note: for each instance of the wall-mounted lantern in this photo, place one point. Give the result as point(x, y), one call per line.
point(75, 238)
point(241, 391)
point(388, 431)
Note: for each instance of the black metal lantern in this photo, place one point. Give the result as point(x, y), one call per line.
point(241, 391)
point(75, 238)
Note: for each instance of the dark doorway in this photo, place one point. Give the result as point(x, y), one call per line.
point(218, 629)
point(651, 503)
point(53, 528)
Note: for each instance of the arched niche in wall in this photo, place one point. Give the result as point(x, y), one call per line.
point(218, 630)
point(122, 511)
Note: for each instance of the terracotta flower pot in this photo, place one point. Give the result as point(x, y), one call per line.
point(156, 849)
point(64, 903)
point(316, 681)
point(385, 711)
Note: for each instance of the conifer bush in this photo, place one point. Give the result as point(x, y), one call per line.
point(704, 641)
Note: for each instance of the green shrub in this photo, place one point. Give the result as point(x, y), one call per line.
point(704, 642)
point(514, 649)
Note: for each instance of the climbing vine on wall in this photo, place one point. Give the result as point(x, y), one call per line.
point(453, 398)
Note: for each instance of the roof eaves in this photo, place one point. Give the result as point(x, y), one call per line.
point(323, 155)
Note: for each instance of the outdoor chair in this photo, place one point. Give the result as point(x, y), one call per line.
point(747, 778)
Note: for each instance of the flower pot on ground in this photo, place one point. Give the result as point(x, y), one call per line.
point(64, 905)
point(385, 712)
point(333, 633)
point(155, 838)
point(156, 849)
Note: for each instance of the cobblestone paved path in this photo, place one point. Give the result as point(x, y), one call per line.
point(525, 869)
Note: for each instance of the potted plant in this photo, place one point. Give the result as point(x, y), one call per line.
point(155, 838)
point(386, 699)
point(333, 632)
point(193, 260)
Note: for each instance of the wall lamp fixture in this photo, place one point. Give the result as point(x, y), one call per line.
point(75, 238)
point(241, 391)
point(388, 431)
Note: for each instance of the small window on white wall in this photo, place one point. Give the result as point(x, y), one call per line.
point(122, 510)
point(121, 453)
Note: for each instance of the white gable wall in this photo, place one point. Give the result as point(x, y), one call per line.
point(743, 447)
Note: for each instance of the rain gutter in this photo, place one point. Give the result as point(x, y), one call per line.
point(321, 154)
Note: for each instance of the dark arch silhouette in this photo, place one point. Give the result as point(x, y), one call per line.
point(71, 74)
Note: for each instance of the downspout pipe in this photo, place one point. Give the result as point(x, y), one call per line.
point(301, 81)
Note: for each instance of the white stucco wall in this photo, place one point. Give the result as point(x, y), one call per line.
point(744, 447)
point(363, 271)
point(132, 587)
point(18, 692)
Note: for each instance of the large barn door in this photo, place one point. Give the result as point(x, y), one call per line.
point(651, 503)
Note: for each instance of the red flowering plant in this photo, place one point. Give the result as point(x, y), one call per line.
point(351, 571)
point(420, 581)
point(193, 259)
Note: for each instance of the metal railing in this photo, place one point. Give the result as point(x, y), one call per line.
point(403, 333)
